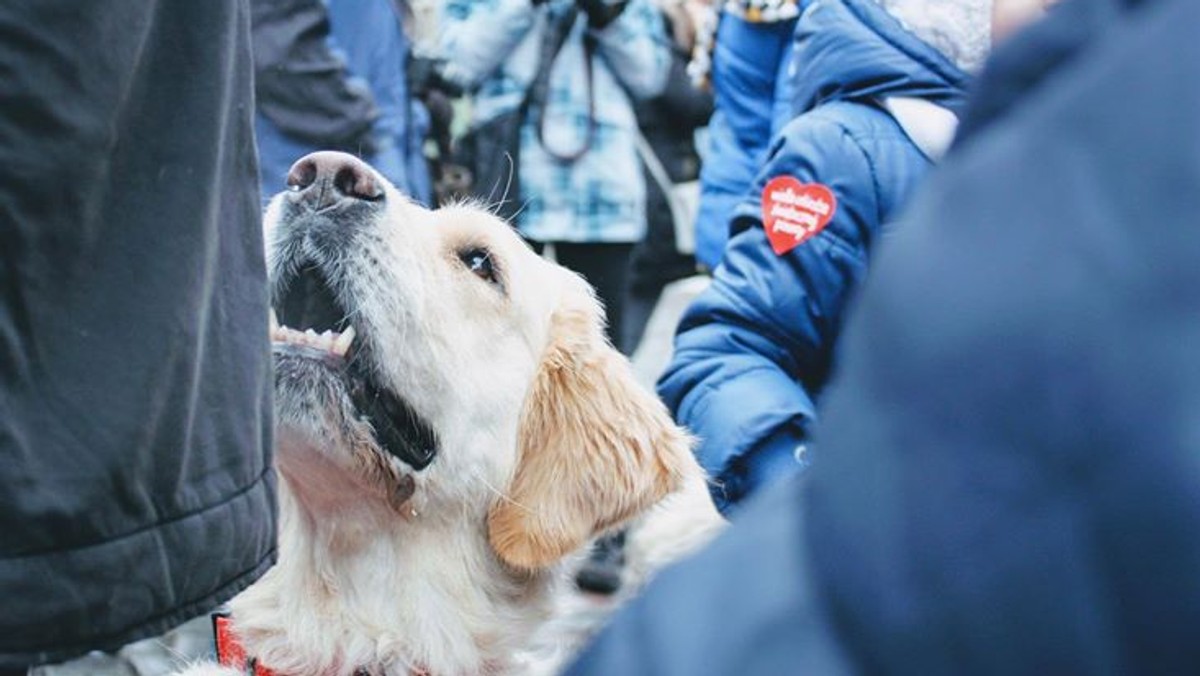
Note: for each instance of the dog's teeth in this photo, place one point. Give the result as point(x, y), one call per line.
point(342, 344)
point(330, 341)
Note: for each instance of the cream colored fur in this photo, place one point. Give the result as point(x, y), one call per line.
point(545, 442)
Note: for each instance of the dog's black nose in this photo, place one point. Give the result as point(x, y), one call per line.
point(326, 178)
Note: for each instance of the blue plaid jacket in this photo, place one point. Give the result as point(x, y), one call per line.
point(493, 48)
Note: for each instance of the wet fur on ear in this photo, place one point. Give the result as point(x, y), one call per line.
point(595, 448)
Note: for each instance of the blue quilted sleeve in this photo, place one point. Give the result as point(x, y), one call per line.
point(755, 349)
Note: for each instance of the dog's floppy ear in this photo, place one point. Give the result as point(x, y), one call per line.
point(595, 448)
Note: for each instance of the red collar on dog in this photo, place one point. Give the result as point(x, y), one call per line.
point(231, 652)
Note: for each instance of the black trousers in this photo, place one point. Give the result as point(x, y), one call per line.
point(606, 267)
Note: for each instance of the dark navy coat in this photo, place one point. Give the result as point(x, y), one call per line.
point(753, 352)
point(1008, 482)
point(136, 423)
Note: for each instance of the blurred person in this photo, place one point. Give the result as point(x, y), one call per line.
point(440, 100)
point(668, 123)
point(1008, 481)
point(374, 36)
point(331, 75)
point(751, 74)
point(581, 185)
point(877, 86)
point(136, 489)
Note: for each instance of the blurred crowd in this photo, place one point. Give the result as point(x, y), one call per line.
point(577, 121)
point(774, 146)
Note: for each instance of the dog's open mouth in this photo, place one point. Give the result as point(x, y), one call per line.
point(308, 321)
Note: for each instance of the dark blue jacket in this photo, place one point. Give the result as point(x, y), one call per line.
point(754, 351)
point(331, 75)
point(1008, 483)
point(753, 95)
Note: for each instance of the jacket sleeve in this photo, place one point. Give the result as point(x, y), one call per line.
point(635, 47)
point(747, 63)
point(754, 350)
point(477, 35)
point(300, 85)
point(689, 105)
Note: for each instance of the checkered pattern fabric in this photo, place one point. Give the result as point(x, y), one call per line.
point(493, 46)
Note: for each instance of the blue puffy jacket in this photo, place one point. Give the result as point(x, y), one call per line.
point(753, 97)
point(754, 351)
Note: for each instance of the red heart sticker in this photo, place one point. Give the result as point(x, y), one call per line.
point(794, 211)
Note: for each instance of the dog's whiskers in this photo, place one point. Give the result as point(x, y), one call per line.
point(503, 496)
point(520, 210)
point(512, 170)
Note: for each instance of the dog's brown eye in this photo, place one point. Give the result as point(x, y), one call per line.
point(479, 261)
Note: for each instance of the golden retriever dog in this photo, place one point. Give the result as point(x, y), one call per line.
point(453, 429)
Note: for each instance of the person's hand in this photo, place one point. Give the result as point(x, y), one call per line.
point(600, 13)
